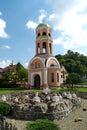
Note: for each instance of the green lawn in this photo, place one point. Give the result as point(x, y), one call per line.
point(10, 90)
point(84, 83)
point(79, 89)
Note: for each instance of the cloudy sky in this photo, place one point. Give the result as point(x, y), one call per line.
point(19, 18)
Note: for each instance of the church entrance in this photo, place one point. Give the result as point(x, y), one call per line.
point(37, 81)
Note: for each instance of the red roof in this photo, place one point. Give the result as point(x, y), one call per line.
point(8, 68)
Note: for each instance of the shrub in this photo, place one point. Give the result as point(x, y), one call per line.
point(4, 108)
point(42, 124)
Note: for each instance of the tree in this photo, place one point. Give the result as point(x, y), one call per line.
point(23, 75)
point(74, 62)
point(73, 78)
point(15, 75)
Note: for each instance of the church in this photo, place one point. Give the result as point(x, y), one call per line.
point(44, 69)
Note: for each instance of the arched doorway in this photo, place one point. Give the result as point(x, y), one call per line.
point(37, 81)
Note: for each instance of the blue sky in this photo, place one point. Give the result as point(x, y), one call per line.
point(19, 18)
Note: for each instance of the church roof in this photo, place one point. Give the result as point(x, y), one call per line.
point(43, 25)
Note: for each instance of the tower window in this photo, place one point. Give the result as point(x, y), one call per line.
point(49, 34)
point(38, 45)
point(38, 34)
point(52, 77)
point(44, 34)
point(50, 48)
point(44, 47)
point(38, 48)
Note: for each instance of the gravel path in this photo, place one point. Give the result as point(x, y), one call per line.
point(67, 123)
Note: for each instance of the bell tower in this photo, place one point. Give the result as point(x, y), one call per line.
point(43, 40)
point(44, 68)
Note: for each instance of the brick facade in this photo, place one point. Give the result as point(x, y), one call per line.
point(44, 69)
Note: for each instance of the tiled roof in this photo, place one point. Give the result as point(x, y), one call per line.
point(7, 68)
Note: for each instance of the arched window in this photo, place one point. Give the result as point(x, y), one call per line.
point(44, 47)
point(38, 65)
point(38, 34)
point(53, 65)
point(57, 77)
point(52, 77)
point(44, 34)
point(50, 48)
point(35, 64)
point(38, 47)
point(49, 34)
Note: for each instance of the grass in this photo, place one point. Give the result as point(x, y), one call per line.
point(81, 89)
point(11, 90)
point(84, 83)
point(75, 89)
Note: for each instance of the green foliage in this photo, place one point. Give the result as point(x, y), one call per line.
point(14, 77)
point(4, 108)
point(22, 74)
point(73, 78)
point(74, 62)
point(42, 124)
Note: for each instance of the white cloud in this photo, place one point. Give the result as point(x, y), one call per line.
point(3, 34)
point(81, 52)
point(26, 65)
point(70, 20)
point(42, 15)
point(6, 46)
point(4, 63)
point(31, 25)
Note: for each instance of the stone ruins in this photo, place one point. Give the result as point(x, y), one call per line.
point(32, 106)
point(5, 125)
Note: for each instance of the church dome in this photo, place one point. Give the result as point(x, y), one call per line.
point(41, 25)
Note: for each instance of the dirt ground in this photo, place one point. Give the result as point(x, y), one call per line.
point(67, 123)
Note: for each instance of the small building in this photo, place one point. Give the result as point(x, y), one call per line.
point(3, 70)
point(44, 69)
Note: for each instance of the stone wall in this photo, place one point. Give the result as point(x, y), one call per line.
point(82, 94)
point(50, 111)
point(5, 125)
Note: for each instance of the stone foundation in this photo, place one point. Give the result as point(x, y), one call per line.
point(44, 111)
